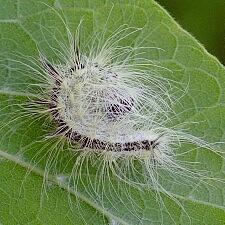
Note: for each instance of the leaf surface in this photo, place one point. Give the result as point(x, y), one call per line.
point(26, 198)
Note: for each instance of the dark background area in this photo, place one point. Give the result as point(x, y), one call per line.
point(204, 19)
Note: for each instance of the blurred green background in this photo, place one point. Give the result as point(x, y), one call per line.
point(204, 19)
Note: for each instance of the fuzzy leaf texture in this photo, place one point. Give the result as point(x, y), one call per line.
point(25, 198)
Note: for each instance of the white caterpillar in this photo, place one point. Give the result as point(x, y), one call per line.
point(110, 106)
point(106, 107)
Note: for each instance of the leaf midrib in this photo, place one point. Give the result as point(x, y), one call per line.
point(16, 93)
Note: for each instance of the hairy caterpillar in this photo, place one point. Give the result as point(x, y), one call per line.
point(109, 104)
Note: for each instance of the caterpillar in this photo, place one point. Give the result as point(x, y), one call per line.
point(112, 106)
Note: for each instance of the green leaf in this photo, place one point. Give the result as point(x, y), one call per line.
point(25, 160)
